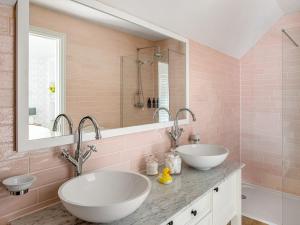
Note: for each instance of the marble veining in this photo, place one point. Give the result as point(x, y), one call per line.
point(163, 202)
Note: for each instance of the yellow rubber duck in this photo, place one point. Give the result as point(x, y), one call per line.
point(165, 177)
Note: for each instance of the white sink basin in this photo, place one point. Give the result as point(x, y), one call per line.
point(104, 196)
point(202, 156)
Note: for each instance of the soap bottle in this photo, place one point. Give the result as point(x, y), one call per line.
point(149, 103)
point(153, 103)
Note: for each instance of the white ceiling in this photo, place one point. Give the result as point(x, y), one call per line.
point(230, 26)
point(8, 2)
point(289, 5)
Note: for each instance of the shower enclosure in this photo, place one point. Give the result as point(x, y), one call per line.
point(270, 130)
point(291, 126)
point(150, 79)
point(139, 85)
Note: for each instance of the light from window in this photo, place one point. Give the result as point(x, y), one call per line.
point(163, 92)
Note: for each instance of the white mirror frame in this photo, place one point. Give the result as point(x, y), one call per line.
point(23, 142)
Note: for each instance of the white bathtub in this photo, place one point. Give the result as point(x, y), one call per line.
point(269, 206)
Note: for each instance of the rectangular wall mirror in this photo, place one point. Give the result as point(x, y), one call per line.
point(83, 60)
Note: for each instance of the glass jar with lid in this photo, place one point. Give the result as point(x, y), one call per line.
point(173, 162)
point(151, 165)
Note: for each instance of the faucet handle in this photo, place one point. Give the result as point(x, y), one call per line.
point(88, 153)
point(179, 132)
point(92, 148)
point(65, 153)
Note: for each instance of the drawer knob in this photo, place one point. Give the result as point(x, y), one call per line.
point(170, 223)
point(194, 212)
point(216, 189)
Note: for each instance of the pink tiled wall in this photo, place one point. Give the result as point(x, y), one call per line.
point(214, 97)
point(261, 110)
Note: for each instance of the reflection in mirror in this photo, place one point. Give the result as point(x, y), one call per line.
point(85, 62)
point(46, 80)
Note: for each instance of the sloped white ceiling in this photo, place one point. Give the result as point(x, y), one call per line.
point(289, 5)
point(8, 2)
point(230, 26)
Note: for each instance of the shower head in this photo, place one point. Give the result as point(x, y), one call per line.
point(157, 53)
point(140, 62)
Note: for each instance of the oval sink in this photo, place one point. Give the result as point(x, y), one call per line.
point(202, 156)
point(104, 196)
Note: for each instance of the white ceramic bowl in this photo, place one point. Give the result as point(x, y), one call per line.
point(104, 196)
point(19, 183)
point(203, 156)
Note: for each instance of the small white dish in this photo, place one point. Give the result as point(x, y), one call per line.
point(19, 185)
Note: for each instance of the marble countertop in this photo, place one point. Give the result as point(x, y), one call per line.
point(162, 203)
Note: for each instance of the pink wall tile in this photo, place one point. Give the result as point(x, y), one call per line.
point(14, 203)
point(6, 134)
point(214, 91)
point(103, 161)
point(7, 62)
point(13, 167)
point(41, 160)
point(49, 192)
point(6, 44)
point(6, 116)
point(52, 175)
point(4, 25)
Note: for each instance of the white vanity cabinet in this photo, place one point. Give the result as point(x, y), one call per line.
point(218, 206)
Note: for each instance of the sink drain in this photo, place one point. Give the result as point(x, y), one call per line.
point(244, 197)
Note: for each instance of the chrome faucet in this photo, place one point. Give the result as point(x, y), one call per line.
point(162, 109)
point(80, 158)
point(176, 131)
point(57, 119)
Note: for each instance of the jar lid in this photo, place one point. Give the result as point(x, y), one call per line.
point(172, 154)
point(151, 158)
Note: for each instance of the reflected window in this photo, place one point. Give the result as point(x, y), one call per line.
point(163, 91)
point(46, 79)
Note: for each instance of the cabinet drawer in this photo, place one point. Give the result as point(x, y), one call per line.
point(207, 220)
point(193, 213)
point(201, 208)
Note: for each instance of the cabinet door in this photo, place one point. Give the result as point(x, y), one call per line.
point(224, 201)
